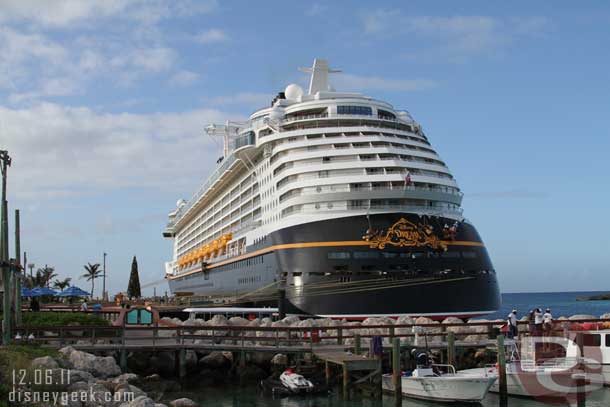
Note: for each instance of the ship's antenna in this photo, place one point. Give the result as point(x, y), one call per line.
point(319, 75)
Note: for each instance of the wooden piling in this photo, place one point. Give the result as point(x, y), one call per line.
point(581, 395)
point(357, 344)
point(346, 389)
point(123, 360)
point(242, 359)
point(396, 371)
point(181, 356)
point(18, 273)
point(502, 370)
point(451, 348)
point(327, 372)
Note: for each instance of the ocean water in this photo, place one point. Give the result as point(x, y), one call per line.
point(561, 304)
point(252, 396)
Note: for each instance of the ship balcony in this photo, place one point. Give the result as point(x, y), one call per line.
point(346, 120)
point(366, 192)
point(373, 208)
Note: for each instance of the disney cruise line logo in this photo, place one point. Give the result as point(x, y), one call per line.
point(404, 234)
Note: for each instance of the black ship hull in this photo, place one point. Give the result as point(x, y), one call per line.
point(386, 265)
point(355, 267)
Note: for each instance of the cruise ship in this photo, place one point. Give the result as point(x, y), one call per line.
point(332, 204)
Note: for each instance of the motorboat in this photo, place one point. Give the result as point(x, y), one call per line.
point(295, 382)
point(442, 383)
point(291, 383)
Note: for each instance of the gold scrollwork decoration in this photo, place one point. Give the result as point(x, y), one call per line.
point(405, 234)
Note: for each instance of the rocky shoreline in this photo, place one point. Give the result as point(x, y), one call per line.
point(80, 379)
point(329, 327)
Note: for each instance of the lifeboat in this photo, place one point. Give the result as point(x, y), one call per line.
point(215, 247)
point(223, 242)
point(207, 251)
point(200, 253)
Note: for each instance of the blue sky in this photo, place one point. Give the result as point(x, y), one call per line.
point(103, 104)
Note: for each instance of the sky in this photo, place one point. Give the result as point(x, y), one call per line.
point(103, 105)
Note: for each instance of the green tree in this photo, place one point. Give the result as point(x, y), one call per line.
point(133, 289)
point(62, 284)
point(92, 271)
point(44, 276)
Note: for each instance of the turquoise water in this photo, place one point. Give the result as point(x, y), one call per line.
point(560, 303)
point(235, 396)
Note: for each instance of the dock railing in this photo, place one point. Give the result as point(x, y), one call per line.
point(221, 336)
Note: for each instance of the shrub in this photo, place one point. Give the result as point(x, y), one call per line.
point(62, 318)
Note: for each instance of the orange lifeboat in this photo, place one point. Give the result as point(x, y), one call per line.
point(223, 242)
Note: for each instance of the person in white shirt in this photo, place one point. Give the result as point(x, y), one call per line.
point(548, 321)
point(512, 324)
point(538, 321)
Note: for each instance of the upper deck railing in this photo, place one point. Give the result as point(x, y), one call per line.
point(203, 189)
point(346, 116)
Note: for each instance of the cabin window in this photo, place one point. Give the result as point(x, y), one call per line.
point(469, 255)
point(593, 340)
point(366, 255)
point(338, 255)
point(389, 255)
point(607, 340)
point(359, 110)
point(451, 255)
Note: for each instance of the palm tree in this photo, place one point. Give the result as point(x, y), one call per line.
point(46, 274)
point(37, 280)
point(62, 284)
point(92, 272)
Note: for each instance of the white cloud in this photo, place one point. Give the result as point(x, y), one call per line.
point(183, 78)
point(33, 66)
point(66, 13)
point(19, 51)
point(148, 59)
point(212, 35)
point(316, 10)
point(59, 151)
point(245, 98)
point(347, 82)
point(456, 37)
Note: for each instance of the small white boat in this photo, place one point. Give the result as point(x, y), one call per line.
point(295, 382)
point(430, 383)
point(553, 381)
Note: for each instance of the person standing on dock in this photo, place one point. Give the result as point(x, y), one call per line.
point(548, 321)
point(538, 321)
point(512, 324)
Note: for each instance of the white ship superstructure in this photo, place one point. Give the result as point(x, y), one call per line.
point(311, 159)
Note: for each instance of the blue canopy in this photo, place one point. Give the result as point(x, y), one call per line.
point(38, 291)
point(25, 292)
point(73, 292)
